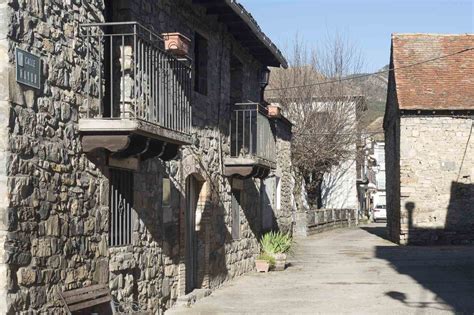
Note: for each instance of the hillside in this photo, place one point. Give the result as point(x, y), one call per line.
point(375, 89)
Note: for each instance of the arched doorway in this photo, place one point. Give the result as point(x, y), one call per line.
point(197, 195)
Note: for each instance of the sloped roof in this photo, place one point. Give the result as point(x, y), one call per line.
point(446, 83)
point(245, 29)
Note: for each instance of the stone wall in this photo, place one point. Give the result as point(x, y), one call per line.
point(315, 221)
point(57, 198)
point(4, 117)
point(285, 210)
point(220, 258)
point(436, 179)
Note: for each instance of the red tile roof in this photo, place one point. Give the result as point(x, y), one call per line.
point(442, 84)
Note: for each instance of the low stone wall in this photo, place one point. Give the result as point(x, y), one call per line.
point(319, 220)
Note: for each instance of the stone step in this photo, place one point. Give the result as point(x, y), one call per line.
point(188, 300)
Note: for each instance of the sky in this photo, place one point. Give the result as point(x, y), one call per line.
point(367, 24)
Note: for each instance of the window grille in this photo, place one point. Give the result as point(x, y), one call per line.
point(121, 203)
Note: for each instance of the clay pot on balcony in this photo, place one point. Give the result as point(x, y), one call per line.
point(177, 44)
point(274, 110)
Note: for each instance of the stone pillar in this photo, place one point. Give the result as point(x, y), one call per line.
point(4, 117)
point(301, 226)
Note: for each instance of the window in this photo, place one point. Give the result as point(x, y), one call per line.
point(235, 208)
point(236, 79)
point(121, 203)
point(200, 64)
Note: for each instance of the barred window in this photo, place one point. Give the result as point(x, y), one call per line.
point(121, 203)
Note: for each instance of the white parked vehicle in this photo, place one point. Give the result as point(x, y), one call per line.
point(380, 212)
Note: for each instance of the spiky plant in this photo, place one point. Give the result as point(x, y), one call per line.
point(276, 243)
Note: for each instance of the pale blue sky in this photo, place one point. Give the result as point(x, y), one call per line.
point(367, 23)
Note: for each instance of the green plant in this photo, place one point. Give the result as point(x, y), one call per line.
point(276, 243)
point(269, 258)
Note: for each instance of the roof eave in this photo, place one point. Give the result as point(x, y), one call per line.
point(240, 21)
point(240, 10)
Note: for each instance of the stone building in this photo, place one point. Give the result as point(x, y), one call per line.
point(428, 136)
point(132, 155)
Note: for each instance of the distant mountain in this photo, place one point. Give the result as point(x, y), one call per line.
point(374, 87)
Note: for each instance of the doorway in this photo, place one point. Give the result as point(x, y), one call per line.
point(193, 189)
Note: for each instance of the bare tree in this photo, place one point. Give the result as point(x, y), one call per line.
point(324, 109)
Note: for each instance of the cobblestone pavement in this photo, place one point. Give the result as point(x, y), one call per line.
point(353, 271)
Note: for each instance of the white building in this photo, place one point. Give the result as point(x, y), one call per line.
point(371, 168)
point(339, 186)
point(379, 172)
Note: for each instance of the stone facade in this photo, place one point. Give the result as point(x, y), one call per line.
point(56, 198)
point(278, 203)
point(436, 158)
point(429, 148)
point(55, 201)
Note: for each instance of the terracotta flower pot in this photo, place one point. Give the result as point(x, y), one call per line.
point(177, 44)
point(262, 265)
point(280, 262)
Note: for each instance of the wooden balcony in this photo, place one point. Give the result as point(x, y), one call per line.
point(253, 150)
point(138, 95)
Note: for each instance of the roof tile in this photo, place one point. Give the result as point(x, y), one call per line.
point(442, 84)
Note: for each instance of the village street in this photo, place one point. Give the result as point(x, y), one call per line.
point(354, 271)
point(161, 156)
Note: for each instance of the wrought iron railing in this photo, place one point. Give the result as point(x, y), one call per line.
point(251, 133)
point(130, 76)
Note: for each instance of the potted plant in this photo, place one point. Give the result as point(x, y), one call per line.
point(277, 245)
point(263, 262)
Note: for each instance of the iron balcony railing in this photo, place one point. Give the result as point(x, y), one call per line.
point(251, 133)
point(130, 76)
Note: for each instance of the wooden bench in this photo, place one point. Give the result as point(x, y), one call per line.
point(94, 295)
point(86, 297)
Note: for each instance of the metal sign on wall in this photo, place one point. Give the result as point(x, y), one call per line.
point(28, 68)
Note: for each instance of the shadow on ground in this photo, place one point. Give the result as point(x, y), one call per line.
point(447, 271)
point(380, 231)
